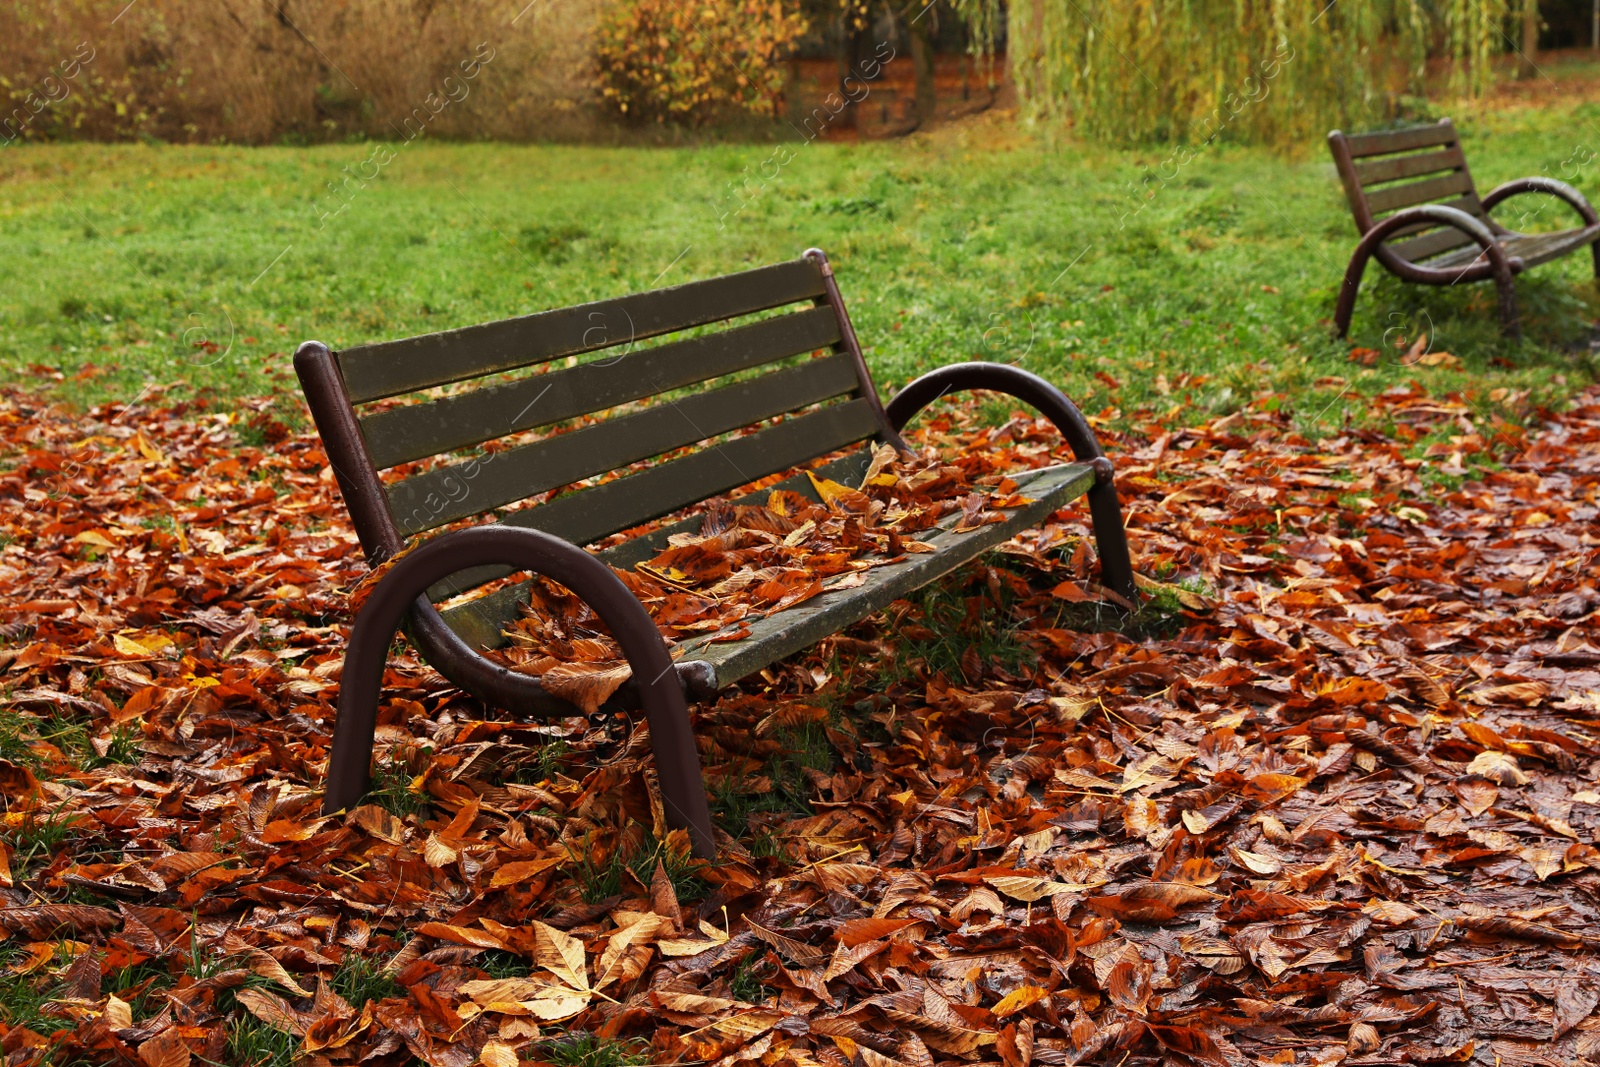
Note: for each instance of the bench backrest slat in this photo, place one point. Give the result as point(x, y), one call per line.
point(481, 621)
point(659, 426)
point(589, 514)
point(1409, 194)
point(1393, 170)
point(416, 431)
point(1387, 142)
point(446, 494)
point(391, 368)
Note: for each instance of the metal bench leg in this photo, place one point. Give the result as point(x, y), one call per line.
point(1348, 291)
point(1111, 539)
point(1506, 289)
point(660, 692)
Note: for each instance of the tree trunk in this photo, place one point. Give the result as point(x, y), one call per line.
point(927, 99)
point(1527, 59)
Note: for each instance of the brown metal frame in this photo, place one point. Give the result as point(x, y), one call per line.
point(661, 687)
point(1492, 263)
point(671, 736)
point(1111, 539)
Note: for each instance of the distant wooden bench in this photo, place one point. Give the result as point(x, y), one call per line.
point(1418, 212)
point(827, 404)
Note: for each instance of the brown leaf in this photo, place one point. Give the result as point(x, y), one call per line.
point(166, 1049)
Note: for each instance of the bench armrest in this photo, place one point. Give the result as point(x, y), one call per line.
point(1552, 186)
point(1111, 539)
point(360, 684)
point(1444, 216)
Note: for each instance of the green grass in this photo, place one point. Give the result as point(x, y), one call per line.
point(588, 1050)
point(391, 787)
point(25, 998)
point(253, 1043)
point(200, 268)
point(37, 838)
point(362, 978)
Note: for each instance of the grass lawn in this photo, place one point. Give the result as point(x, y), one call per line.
point(202, 268)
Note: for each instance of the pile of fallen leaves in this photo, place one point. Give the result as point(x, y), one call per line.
point(751, 560)
point(1343, 814)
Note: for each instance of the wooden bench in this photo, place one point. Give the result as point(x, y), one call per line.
point(807, 407)
point(1419, 213)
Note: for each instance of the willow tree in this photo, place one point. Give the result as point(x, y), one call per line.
point(1280, 71)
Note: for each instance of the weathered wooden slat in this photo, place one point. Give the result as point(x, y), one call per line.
point(590, 514)
point(1431, 244)
point(1394, 197)
point(1532, 248)
point(1388, 141)
point(390, 368)
point(787, 632)
point(1375, 171)
point(402, 434)
point(439, 497)
point(1536, 248)
point(482, 622)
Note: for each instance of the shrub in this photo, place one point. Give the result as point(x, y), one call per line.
point(685, 61)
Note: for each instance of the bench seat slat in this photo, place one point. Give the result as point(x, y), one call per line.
point(1374, 171)
point(390, 368)
point(482, 622)
point(1390, 141)
point(1394, 197)
point(787, 632)
point(402, 434)
point(439, 497)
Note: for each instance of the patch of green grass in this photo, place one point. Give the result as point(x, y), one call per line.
point(17, 735)
point(253, 1043)
point(38, 838)
point(497, 963)
point(588, 1050)
point(982, 239)
point(546, 762)
point(1162, 612)
point(362, 978)
point(959, 625)
point(738, 808)
point(747, 983)
point(136, 985)
point(680, 867)
point(25, 998)
point(598, 881)
point(391, 789)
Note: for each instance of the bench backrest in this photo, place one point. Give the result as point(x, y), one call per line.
point(1394, 169)
point(833, 395)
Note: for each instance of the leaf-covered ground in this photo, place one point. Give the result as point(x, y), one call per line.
point(1332, 800)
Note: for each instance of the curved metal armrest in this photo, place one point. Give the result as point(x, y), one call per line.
point(1552, 186)
point(1440, 213)
point(677, 758)
point(1115, 564)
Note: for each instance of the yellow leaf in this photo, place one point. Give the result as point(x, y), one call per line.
point(561, 954)
point(148, 450)
point(118, 1014)
point(520, 871)
point(496, 1054)
point(437, 853)
point(1019, 998)
point(97, 538)
point(1030, 889)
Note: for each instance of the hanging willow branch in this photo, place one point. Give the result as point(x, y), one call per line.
point(1191, 71)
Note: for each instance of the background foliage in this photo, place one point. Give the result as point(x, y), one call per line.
point(661, 60)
